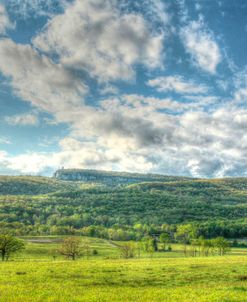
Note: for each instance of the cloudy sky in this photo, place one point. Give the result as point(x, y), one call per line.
point(148, 86)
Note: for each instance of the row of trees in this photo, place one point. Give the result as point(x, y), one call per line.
point(226, 229)
point(206, 247)
point(198, 247)
point(72, 247)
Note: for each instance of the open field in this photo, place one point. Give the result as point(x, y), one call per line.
point(34, 275)
point(183, 279)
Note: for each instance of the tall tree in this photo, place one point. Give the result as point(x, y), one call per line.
point(186, 233)
point(221, 245)
point(164, 240)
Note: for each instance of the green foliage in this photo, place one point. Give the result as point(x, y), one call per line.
point(71, 248)
point(186, 233)
point(47, 206)
point(9, 245)
point(164, 239)
point(31, 185)
point(221, 244)
point(149, 245)
point(128, 249)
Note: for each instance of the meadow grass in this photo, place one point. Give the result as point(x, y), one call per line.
point(166, 279)
point(35, 276)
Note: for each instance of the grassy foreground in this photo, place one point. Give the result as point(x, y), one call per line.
point(140, 280)
point(36, 275)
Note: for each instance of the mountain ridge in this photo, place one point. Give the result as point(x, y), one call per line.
point(112, 177)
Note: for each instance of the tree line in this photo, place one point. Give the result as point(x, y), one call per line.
point(117, 232)
point(73, 247)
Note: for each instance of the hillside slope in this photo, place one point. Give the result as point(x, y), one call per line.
point(48, 205)
point(31, 185)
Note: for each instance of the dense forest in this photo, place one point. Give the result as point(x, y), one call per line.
point(41, 206)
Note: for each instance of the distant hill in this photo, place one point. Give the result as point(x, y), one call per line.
point(111, 178)
point(30, 185)
point(73, 200)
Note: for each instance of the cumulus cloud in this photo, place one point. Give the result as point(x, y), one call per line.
point(132, 133)
point(73, 154)
point(88, 37)
point(177, 84)
point(199, 144)
point(26, 119)
point(148, 106)
point(195, 143)
point(94, 36)
point(35, 78)
point(5, 22)
point(200, 43)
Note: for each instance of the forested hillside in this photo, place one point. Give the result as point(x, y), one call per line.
point(39, 205)
point(31, 185)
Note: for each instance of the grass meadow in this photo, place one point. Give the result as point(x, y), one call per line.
point(39, 275)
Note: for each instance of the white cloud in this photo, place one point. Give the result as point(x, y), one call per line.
point(130, 134)
point(126, 132)
point(5, 22)
point(31, 8)
point(177, 84)
point(2, 154)
point(201, 45)
point(109, 89)
point(240, 84)
point(89, 36)
point(29, 163)
point(94, 36)
point(199, 144)
point(26, 119)
point(35, 78)
point(5, 141)
point(158, 10)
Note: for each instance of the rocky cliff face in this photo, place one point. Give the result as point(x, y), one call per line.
point(109, 178)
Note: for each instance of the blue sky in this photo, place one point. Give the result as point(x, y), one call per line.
point(147, 86)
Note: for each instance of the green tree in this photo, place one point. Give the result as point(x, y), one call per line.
point(9, 245)
point(204, 245)
point(127, 250)
point(148, 245)
point(164, 240)
point(186, 233)
point(221, 245)
point(71, 248)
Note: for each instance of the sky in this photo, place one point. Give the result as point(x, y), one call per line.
point(156, 86)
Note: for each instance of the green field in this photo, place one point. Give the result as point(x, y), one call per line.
point(43, 211)
point(35, 275)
